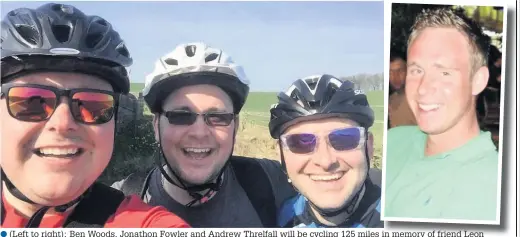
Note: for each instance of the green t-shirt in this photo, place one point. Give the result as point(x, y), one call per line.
point(459, 184)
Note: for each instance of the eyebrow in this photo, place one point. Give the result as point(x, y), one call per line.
point(438, 65)
point(413, 64)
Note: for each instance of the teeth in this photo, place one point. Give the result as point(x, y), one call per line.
point(335, 176)
point(198, 150)
point(59, 151)
point(428, 107)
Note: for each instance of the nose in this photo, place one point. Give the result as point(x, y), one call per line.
point(427, 85)
point(61, 120)
point(325, 157)
point(199, 129)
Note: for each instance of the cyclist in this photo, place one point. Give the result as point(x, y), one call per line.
point(322, 125)
point(196, 93)
point(62, 72)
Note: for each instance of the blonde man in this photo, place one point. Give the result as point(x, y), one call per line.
point(445, 167)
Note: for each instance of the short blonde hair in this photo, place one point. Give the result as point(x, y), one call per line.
point(444, 17)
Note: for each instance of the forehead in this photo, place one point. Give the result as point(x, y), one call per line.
point(439, 44)
point(397, 63)
point(63, 80)
point(321, 125)
point(199, 98)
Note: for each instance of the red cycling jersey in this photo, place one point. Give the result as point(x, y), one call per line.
point(131, 213)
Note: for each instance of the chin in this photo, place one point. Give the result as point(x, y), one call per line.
point(330, 204)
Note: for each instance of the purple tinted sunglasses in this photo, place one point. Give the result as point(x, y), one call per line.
point(340, 139)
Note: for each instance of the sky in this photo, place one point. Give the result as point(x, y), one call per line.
point(275, 42)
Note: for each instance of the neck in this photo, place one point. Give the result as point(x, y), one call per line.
point(341, 217)
point(466, 129)
point(24, 208)
point(178, 194)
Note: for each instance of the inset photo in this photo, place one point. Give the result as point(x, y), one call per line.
point(445, 105)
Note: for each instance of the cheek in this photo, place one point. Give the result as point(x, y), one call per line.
point(294, 163)
point(103, 137)
point(411, 89)
point(18, 138)
point(356, 159)
point(224, 137)
point(171, 135)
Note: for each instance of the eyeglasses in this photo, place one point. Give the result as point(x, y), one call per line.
point(36, 103)
point(340, 139)
point(182, 117)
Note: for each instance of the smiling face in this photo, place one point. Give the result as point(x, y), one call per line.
point(326, 176)
point(440, 84)
point(196, 152)
point(53, 162)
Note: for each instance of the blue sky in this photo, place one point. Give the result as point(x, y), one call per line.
point(276, 42)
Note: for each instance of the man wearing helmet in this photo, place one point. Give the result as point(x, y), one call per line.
point(62, 72)
point(446, 167)
point(322, 125)
point(196, 93)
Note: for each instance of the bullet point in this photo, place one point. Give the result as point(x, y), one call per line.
point(3, 233)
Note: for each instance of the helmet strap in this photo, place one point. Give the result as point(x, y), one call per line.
point(195, 190)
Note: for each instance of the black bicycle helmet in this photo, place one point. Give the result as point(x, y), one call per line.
point(59, 37)
point(319, 96)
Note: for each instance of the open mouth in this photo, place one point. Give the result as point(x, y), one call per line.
point(429, 107)
point(59, 152)
point(326, 177)
point(197, 153)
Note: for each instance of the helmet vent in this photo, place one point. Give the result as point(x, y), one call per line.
point(101, 22)
point(171, 61)
point(190, 50)
point(28, 33)
point(312, 85)
point(211, 57)
point(93, 39)
point(121, 49)
point(61, 32)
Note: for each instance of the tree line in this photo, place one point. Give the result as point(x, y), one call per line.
point(367, 82)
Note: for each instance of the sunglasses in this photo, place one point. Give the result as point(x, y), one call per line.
point(36, 103)
point(341, 140)
point(182, 117)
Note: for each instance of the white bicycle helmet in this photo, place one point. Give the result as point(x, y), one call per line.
point(193, 64)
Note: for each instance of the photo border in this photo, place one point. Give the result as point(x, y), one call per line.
point(388, 21)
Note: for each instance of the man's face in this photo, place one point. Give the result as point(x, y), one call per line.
point(196, 152)
point(397, 73)
point(439, 86)
point(54, 161)
point(326, 176)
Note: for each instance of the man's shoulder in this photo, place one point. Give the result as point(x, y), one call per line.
point(405, 132)
point(290, 209)
point(405, 129)
point(134, 213)
point(269, 166)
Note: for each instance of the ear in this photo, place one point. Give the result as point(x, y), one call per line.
point(156, 118)
point(370, 145)
point(479, 80)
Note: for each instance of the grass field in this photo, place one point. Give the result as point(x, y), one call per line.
point(254, 139)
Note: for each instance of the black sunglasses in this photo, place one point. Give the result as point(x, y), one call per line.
point(36, 103)
point(183, 117)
